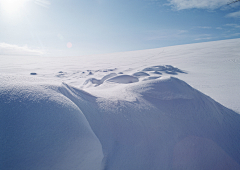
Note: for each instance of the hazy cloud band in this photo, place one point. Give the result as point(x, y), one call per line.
point(10, 49)
point(203, 4)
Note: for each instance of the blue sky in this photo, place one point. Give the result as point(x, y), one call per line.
point(85, 27)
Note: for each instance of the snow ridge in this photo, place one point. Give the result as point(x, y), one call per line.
point(169, 125)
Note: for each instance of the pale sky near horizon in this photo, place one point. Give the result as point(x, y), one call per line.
point(85, 27)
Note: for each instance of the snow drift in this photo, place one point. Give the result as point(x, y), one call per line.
point(156, 124)
point(42, 129)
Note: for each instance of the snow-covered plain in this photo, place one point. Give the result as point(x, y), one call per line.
point(168, 108)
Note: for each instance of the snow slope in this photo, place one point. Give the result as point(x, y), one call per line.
point(123, 111)
point(42, 129)
point(156, 124)
point(211, 67)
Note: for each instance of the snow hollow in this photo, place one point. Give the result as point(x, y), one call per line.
point(135, 110)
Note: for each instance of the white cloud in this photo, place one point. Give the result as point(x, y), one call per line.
point(234, 14)
point(203, 4)
point(182, 31)
point(232, 35)
point(233, 25)
point(205, 38)
point(9, 49)
point(206, 27)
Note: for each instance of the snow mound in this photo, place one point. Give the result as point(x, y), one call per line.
point(40, 128)
point(141, 74)
point(157, 72)
point(123, 79)
point(93, 81)
point(151, 78)
point(108, 76)
point(155, 68)
point(165, 89)
point(166, 68)
point(61, 74)
point(155, 130)
point(131, 77)
point(169, 125)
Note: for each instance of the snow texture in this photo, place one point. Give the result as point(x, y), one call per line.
point(133, 114)
point(169, 125)
point(123, 79)
point(43, 129)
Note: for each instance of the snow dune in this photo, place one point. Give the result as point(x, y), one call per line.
point(40, 128)
point(122, 123)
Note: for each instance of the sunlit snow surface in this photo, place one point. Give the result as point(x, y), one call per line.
point(132, 110)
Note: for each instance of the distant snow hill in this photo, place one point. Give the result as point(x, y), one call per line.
point(161, 124)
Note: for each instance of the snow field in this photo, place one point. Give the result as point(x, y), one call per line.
point(123, 110)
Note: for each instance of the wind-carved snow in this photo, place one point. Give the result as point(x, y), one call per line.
point(151, 131)
point(165, 89)
point(123, 79)
point(114, 122)
point(141, 74)
point(168, 125)
point(135, 77)
point(167, 69)
point(96, 82)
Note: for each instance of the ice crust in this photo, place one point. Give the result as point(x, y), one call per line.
point(168, 125)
